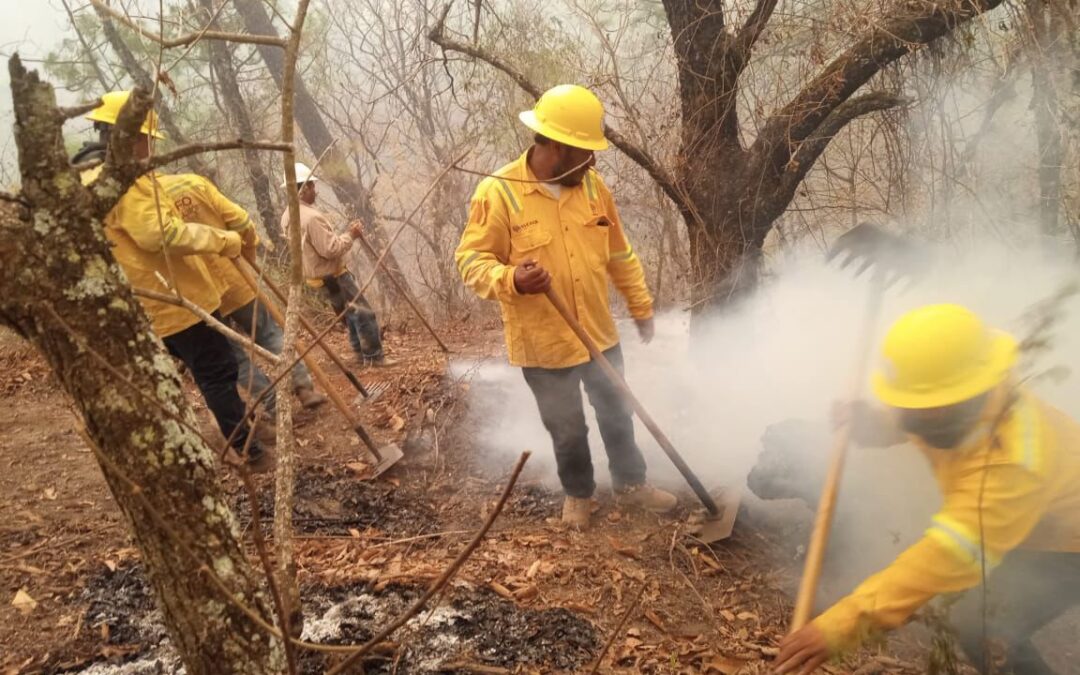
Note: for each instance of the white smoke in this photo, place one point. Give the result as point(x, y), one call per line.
point(789, 352)
point(786, 353)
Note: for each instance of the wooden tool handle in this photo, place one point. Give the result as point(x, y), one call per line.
point(620, 384)
point(316, 370)
point(349, 375)
point(406, 295)
point(819, 538)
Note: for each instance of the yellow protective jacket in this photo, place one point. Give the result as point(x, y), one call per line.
point(1022, 478)
point(155, 245)
point(199, 201)
point(578, 238)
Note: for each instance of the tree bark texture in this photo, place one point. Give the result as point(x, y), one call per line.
point(61, 288)
point(334, 167)
point(222, 62)
point(736, 193)
point(1052, 65)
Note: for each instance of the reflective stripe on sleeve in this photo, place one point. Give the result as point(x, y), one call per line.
point(468, 261)
point(959, 539)
point(1026, 450)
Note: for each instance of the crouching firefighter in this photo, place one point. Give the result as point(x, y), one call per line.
point(1008, 466)
point(156, 247)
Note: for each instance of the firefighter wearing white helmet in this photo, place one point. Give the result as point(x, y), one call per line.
point(547, 219)
point(324, 252)
point(161, 251)
point(1008, 466)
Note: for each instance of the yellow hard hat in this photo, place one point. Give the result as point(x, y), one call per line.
point(568, 114)
point(939, 355)
point(109, 110)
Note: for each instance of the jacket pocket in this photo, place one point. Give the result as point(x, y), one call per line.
point(528, 244)
point(596, 241)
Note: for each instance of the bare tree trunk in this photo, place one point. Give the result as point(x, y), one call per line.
point(1047, 31)
point(334, 167)
point(74, 304)
point(286, 465)
point(146, 81)
point(222, 63)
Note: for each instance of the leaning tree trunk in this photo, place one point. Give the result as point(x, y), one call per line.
point(61, 288)
point(350, 192)
point(222, 63)
point(144, 79)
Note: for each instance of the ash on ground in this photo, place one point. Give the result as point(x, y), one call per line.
point(332, 501)
point(535, 501)
point(469, 627)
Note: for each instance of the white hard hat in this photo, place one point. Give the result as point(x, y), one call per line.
point(303, 175)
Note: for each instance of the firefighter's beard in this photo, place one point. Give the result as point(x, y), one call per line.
point(578, 168)
point(944, 428)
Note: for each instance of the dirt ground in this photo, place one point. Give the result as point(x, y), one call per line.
point(533, 598)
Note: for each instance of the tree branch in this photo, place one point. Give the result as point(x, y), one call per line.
point(209, 319)
point(78, 110)
point(120, 166)
point(914, 25)
point(190, 38)
point(752, 29)
point(636, 153)
point(808, 152)
point(198, 148)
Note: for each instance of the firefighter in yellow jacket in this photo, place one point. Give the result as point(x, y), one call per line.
point(547, 220)
point(198, 200)
point(160, 251)
point(1008, 466)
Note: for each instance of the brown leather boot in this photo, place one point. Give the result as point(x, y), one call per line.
point(309, 398)
point(646, 497)
point(576, 512)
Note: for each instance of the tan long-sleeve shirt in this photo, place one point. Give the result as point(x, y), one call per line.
point(322, 249)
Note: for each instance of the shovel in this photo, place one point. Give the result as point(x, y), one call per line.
point(718, 524)
point(891, 259)
point(386, 456)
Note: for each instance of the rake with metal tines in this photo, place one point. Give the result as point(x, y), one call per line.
point(890, 260)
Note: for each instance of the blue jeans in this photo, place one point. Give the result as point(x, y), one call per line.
point(269, 336)
point(359, 319)
point(558, 396)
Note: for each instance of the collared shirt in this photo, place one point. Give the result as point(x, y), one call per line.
point(322, 249)
point(160, 251)
point(199, 201)
point(578, 237)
